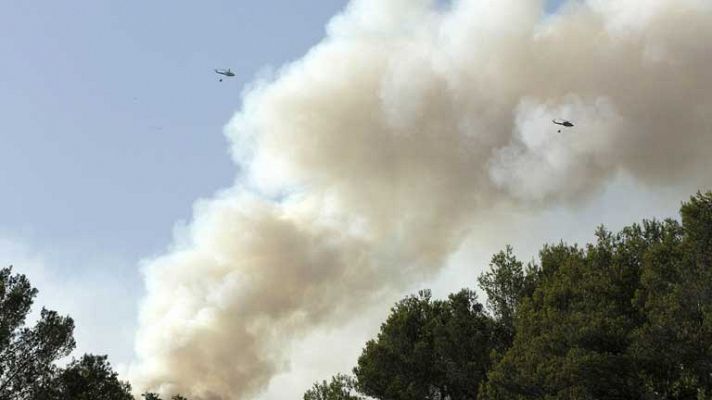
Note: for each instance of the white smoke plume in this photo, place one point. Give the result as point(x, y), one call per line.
point(369, 159)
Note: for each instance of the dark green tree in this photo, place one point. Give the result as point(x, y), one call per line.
point(428, 349)
point(341, 387)
point(27, 354)
point(673, 344)
point(88, 378)
point(505, 284)
point(629, 317)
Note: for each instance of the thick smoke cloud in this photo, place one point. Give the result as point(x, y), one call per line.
point(369, 159)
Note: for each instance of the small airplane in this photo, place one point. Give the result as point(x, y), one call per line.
point(562, 122)
point(225, 72)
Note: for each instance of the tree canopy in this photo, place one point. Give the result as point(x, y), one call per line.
point(88, 378)
point(29, 354)
point(428, 349)
point(628, 316)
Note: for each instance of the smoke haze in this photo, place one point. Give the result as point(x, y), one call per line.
point(368, 161)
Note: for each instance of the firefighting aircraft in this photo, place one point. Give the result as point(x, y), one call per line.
point(562, 122)
point(225, 72)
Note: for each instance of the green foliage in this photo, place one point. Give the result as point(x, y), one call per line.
point(428, 349)
point(697, 221)
point(16, 296)
point(627, 317)
point(88, 378)
point(505, 284)
point(28, 355)
point(341, 387)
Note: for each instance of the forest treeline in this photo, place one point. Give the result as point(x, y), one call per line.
point(30, 355)
point(626, 317)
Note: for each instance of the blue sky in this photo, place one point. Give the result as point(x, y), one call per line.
point(112, 117)
point(111, 127)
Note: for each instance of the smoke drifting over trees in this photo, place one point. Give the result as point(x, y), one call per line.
point(367, 161)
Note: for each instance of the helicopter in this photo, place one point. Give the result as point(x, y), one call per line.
point(562, 122)
point(225, 72)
